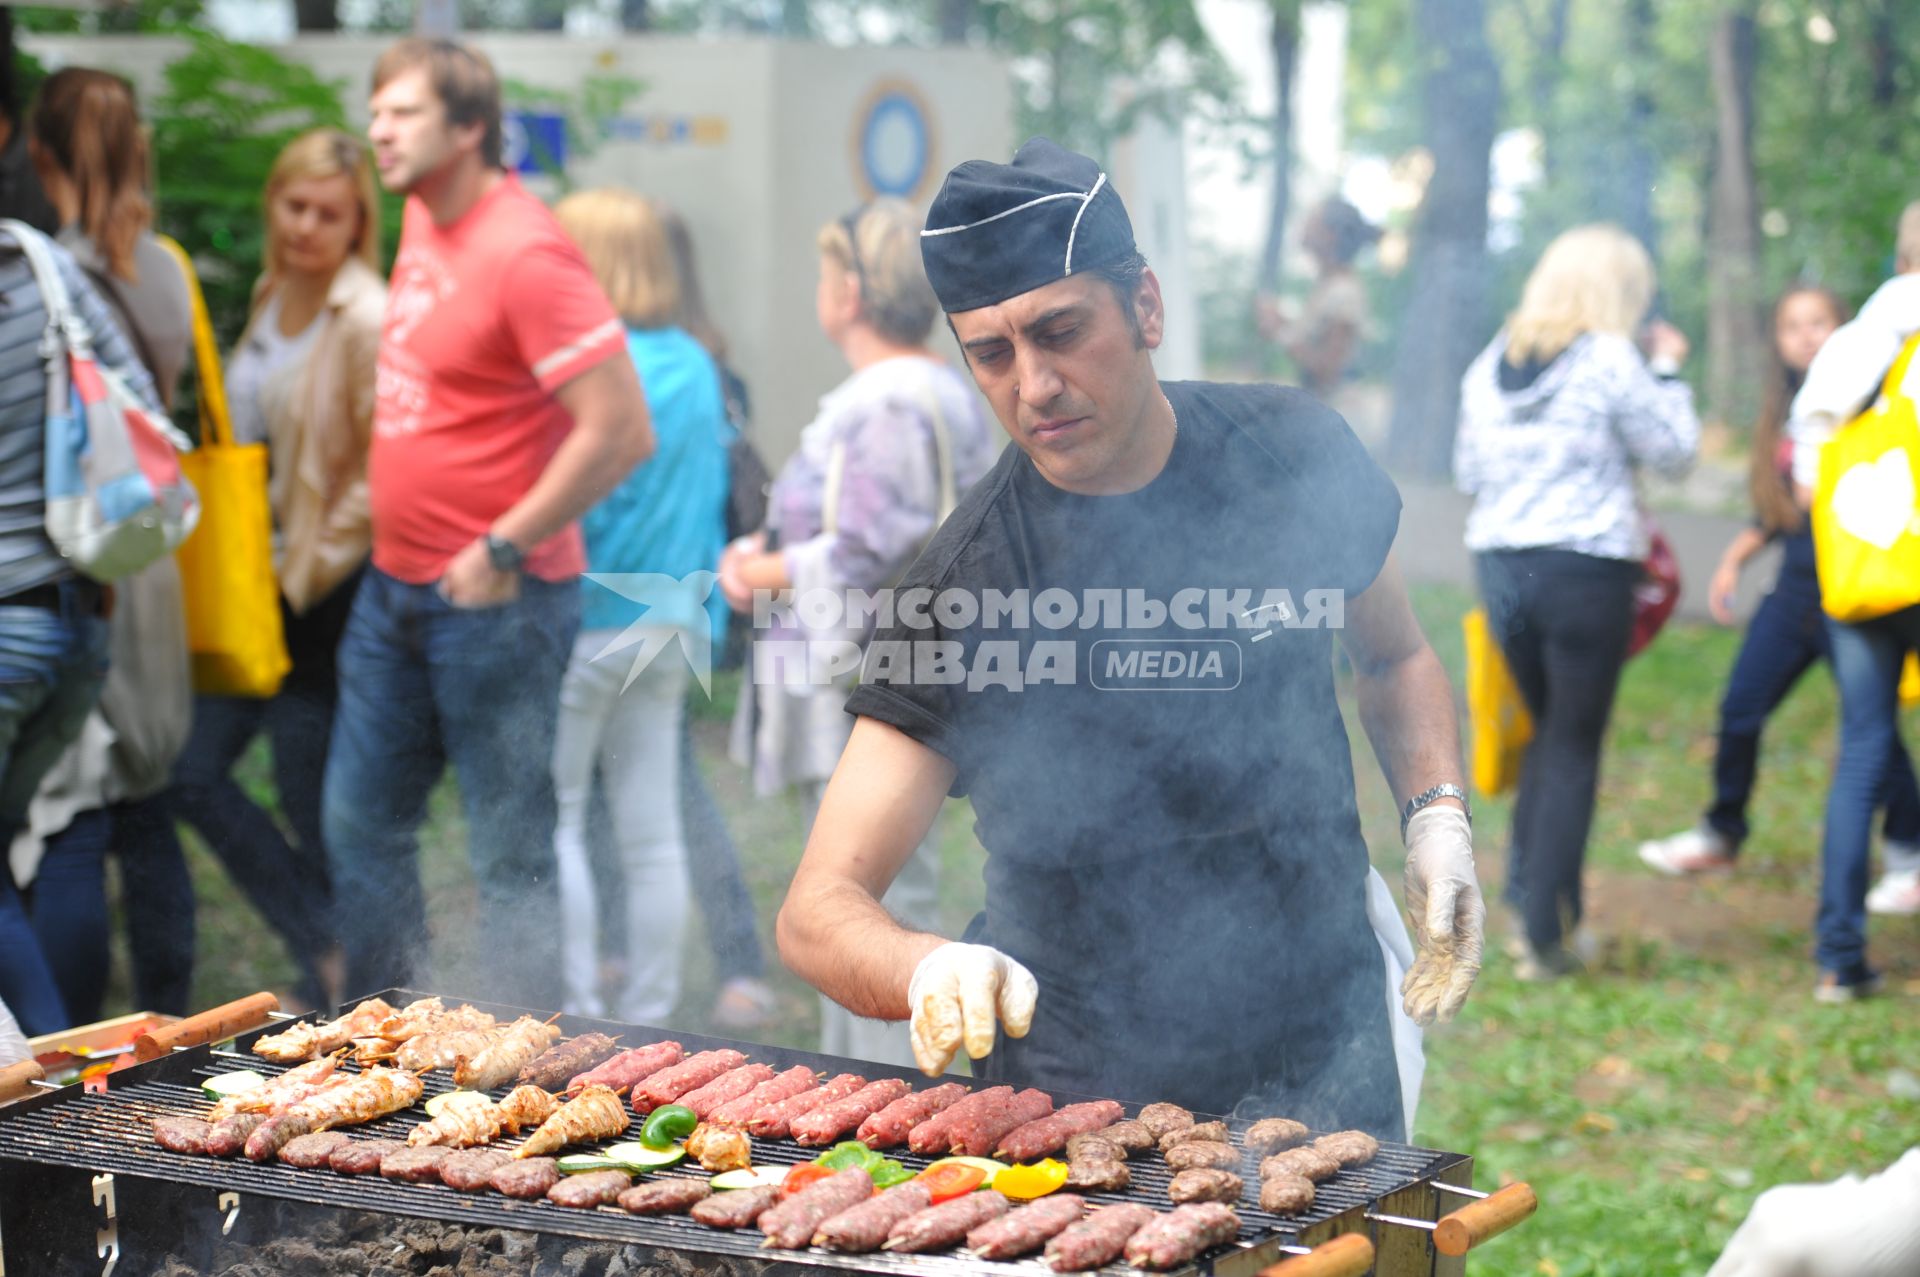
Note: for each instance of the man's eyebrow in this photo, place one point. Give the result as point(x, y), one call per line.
point(1072, 310)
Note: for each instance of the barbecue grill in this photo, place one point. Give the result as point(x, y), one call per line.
point(85, 1189)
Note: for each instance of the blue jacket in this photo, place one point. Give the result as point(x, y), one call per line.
point(669, 516)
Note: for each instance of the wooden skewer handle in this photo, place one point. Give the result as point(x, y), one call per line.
point(1349, 1255)
point(16, 1080)
point(1467, 1227)
point(209, 1026)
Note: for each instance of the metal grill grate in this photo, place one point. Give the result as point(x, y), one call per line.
point(113, 1133)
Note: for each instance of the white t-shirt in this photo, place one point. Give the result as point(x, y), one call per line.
point(260, 374)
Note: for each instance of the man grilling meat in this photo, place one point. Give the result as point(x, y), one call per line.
point(1176, 884)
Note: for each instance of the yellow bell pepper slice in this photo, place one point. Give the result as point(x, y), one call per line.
point(1024, 1183)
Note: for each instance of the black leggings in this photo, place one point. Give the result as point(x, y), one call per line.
point(1563, 619)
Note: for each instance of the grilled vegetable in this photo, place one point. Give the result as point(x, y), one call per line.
point(750, 1177)
point(951, 1180)
point(668, 1123)
point(237, 1082)
point(1024, 1183)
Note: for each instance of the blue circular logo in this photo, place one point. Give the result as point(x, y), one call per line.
point(894, 145)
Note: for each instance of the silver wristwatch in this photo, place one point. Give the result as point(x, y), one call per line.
point(1426, 797)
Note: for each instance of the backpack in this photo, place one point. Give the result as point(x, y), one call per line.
point(116, 500)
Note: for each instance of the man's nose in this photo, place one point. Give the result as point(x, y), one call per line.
point(1038, 385)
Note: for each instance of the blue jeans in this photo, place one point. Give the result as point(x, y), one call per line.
point(1866, 663)
point(423, 683)
point(52, 663)
point(1785, 638)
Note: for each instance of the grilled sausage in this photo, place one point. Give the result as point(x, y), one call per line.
point(791, 1224)
point(1095, 1145)
point(774, 1121)
point(527, 1179)
point(864, 1228)
point(1271, 1135)
point(783, 1086)
point(311, 1151)
point(1349, 1148)
point(1205, 1185)
point(738, 1209)
point(416, 1164)
point(935, 1135)
point(893, 1123)
point(1133, 1135)
point(1050, 1134)
point(1214, 1132)
point(1027, 1229)
point(668, 1085)
point(629, 1068)
point(272, 1135)
point(938, 1227)
point(1097, 1240)
point(1286, 1194)
point(1164, 1118)
point(468, 1170)
point(1306, 1162)
point(829, 1122)
point(1195, 1154)
point(230, 1134)
point(664, 1196)
point(561, 1063)
point(1173, 1239)
point(362, 1157)
point(182, 1134)
point(980, 1132)
point(595, 1188)
point(726, 1088)
point(1095, 1174)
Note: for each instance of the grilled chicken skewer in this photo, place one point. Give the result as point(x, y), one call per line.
point(593, 1114)
point(348, 1102)
point(306, 1040)
point(501, 1060)
point(441, 1050)
point(470, 1118)
point(280, 1093)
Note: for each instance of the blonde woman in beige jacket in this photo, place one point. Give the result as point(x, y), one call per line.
point(301, 380)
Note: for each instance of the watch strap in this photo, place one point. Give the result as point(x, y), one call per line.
point(1426, 797)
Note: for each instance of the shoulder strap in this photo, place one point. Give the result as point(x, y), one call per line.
point(216, 424)
point(109, 290)
point(61, 316)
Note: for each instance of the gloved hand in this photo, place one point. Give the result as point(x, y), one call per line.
point(957, 993)
point(1851, 1227)
point(1449, 917)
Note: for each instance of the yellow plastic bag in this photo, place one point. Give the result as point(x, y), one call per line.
point(1910, 681)
point(1496, 715)
point(1866, 528)
point(234, 631)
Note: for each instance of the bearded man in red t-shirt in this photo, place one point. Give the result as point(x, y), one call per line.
point(505, 408)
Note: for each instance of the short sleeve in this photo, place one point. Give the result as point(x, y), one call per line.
point(1349, 510)
point(557, 317)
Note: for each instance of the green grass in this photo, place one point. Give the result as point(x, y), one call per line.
point(1648, 1102)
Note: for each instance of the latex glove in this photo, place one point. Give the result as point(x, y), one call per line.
point(958, 992)
point(1449, 917)
point(1851, 1227)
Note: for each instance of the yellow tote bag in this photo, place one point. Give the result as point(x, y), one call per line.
point(1496, 715)
point(1866, 528)
point(234, 631)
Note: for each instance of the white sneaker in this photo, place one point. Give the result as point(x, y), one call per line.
point(1898, 891)
point(1691, 851)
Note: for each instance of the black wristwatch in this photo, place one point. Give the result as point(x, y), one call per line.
point(504, 554)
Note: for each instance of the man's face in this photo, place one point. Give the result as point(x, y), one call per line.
point(412, 140)
point(1070, 382)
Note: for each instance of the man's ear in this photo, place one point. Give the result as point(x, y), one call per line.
point(1149, 311)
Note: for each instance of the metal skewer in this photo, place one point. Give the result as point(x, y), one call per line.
point(1488, 1216)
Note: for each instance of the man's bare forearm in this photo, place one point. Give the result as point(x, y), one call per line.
point(839, 939)
point(612, 433)
point(1407, 710)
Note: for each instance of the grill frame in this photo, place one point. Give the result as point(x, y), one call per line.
point(110, 1134)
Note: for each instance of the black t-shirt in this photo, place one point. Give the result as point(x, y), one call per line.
point(1162, 782)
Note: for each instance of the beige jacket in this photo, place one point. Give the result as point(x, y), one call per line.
point(318, 444)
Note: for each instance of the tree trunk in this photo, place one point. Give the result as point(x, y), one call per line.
point(636, 15)
point(1549, 64)
point(1446, 321)
point(1640, 167)
point(956, 20)
point(316, 15)
point(1284, 44)
point(1736, 329)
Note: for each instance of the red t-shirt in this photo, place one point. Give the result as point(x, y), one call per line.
point(486, 319)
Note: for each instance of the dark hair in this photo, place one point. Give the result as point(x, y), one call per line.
point(462, 79)
point(86, 124)
point(1351, 232)
point(1123, 277)
point(693, 314)
point(1773, 502)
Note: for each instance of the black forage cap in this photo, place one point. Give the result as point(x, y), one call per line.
point(998, 230)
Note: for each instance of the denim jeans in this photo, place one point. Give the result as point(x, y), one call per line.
point(422, 684)
point(68, 905)
point(1785, 638)
point(1563, 620)
point(1866, 663)
point(52, 663)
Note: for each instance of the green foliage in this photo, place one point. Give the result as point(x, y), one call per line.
point(226, 112)
point(131, 16)
point(586, 109)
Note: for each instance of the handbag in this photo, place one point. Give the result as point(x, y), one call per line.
point(1657, 593)
point(1866, 538)
point(1496, 713)
point(234, 627)
point(116, 495)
